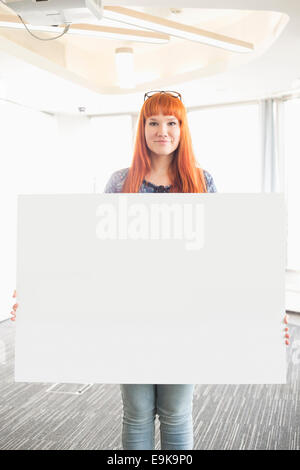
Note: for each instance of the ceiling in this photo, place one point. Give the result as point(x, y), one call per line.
point(74, 71)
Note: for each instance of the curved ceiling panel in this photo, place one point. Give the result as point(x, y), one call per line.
point(273, 26)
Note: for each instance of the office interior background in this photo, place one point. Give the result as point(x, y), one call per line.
point(66, 125)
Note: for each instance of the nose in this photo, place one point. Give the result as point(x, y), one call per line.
point(162, 130)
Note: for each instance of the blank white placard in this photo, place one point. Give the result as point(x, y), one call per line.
point(101, 300)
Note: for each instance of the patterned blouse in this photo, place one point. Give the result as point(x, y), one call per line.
point(116, 181)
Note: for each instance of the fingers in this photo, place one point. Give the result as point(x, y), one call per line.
point(287, 336)
point(14, 307)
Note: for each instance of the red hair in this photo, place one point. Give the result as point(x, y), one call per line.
point(185, 174)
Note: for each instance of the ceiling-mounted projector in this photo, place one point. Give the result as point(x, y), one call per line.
point(57, 12)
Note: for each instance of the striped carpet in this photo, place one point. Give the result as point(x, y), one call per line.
point(66, 416)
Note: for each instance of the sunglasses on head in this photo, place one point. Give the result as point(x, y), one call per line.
point(174, 94)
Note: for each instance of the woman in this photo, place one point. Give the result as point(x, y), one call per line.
point(163, 161)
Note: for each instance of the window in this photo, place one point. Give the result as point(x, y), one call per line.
point(113, 149)
point(226, 142)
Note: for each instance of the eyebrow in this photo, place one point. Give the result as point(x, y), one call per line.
point(169, 118)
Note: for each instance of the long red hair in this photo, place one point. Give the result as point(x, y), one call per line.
point(185, 173)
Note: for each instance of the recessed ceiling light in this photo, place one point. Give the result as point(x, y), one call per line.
point(125, 67)
point(176, 11)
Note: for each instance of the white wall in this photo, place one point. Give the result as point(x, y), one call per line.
point(43, 154)
point(27, 139)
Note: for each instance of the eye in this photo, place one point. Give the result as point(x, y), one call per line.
point(171, 123)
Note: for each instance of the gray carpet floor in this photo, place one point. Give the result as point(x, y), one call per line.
point(73, 416)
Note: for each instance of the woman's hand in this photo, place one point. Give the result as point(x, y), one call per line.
point(14, 307)
point(286, 335)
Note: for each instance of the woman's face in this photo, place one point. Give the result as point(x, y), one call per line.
point(162, 134)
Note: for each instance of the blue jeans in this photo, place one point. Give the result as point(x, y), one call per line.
point(172, 403)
